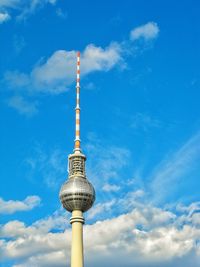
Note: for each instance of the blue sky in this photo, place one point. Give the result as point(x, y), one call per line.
point(140, 130)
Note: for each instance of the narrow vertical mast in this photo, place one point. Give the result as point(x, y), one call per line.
point(77, 147)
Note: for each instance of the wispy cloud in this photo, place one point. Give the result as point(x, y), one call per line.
point(89, 86)
point(51, 166)
point(174, 168)
point(61, 14)
point(19, 43)
point(12, 206)
point(23, 106)
point(23, 8)
point(9, 3)
point(111, 187)
point(32, 5)
point(144, 122)
point(106, 161)
point(148, 31)
point(4, 17)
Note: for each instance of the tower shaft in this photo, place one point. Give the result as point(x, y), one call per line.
point(77, 194)
point(77, 221)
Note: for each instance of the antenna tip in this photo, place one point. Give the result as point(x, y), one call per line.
point(78, 54)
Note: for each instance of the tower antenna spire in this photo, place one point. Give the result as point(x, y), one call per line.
point(77, 145)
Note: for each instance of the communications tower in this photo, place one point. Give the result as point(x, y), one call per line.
point(77, 194)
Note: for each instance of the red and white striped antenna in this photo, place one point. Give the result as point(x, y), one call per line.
point(77, 147)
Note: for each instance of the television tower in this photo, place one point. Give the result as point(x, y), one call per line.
point(77, 194)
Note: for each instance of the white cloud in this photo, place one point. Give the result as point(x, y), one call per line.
point(52, 259)
point(58, 71)
point(23, 106)
point(12, 206)
point(57, 221)
point(101, 208)
point(192, 208)
point(16, 229)
point(4, 17)
point(98, 59)
point(55, 74)
point(146, 236)
point(148, 31)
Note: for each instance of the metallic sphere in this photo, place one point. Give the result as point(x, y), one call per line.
point(77, 193)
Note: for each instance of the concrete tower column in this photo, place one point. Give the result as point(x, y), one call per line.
point(77, 222)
